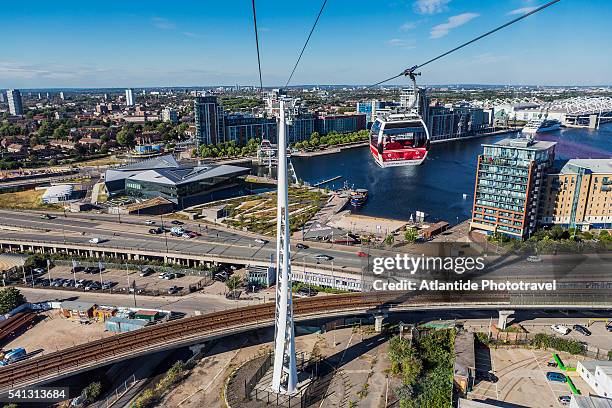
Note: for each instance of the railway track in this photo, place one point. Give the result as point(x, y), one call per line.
point(191, 330)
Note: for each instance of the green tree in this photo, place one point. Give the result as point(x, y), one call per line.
point(411, 235)
point(389, 240)
point(125, 137)
point(233, 282)
point(10, 298)
point(92, 392)
point(60, 133)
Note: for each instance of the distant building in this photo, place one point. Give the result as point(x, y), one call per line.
point(340, 123)
point(62, 96)
point(578, 194)
point(170, 115)
point(14, 102)
point(129, 97)
point(209, 120)
point(509, 179)
point(164, 177)
point(241, 128)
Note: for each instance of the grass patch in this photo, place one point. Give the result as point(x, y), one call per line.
point(26, 200)
point(103, 161)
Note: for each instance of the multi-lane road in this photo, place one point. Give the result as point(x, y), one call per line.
point(132, 232)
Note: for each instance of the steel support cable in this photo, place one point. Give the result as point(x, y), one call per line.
point(306, 43)
point(411, 70)
point(257, 45)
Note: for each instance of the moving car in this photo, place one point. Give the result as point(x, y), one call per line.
point(582, 330)
point(534, 258)
point(561, 329)
point(94, 240)
point(362, 254)
point(149, 222)
point(156, 231)
point(47, 217)
point(557, 377)
point(261, 241)
point(323, 257)
point(176, 222)
point(301, 246)
point(173, 290)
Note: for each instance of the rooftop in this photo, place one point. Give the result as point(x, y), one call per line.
point(523, 143)
point(592, 165)
point(61, 190)
point(582, 401)
point(76, 305)
point(182, 175)
point(465, 357)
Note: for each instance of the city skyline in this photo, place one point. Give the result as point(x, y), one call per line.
point(119, 45)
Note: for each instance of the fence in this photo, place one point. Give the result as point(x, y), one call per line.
point(119, 392)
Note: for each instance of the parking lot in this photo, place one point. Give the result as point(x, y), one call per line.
point(118, 280)
point(521, 375)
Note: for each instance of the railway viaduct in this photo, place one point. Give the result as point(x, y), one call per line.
point(197, 329)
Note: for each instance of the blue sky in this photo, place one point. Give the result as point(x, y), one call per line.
point(72, 43)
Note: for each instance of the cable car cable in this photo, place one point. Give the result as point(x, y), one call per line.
point(257, 44)
point(306, 43)
point(410, 71)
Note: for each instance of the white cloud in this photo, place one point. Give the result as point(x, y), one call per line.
point(163, 24)
point(408, 26)
point(430, 6)
point(522, 10)
point(453, 22)
point(402, 43)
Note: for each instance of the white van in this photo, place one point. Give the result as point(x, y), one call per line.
point(559, 328)
point(94, 240)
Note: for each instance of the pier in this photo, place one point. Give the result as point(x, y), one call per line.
point(320, 183)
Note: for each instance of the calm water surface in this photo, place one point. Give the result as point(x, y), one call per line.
point(437, 186)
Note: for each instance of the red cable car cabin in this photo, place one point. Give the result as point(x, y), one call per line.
point(399, 139)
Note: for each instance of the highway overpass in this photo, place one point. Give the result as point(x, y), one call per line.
point(197, 329)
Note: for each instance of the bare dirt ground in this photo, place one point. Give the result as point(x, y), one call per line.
point(65, 333)
point(360, 359)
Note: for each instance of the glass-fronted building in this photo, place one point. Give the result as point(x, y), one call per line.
point(509, 185)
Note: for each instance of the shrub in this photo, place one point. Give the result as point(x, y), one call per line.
point(542, 341)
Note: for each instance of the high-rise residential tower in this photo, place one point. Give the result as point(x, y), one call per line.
point(14, 101)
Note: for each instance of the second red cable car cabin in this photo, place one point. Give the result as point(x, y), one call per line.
point(399, 139)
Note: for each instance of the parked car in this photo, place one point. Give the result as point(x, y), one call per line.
point(47, 217)
point(561, 329)
point(582, 330)
point(558, 377)
point(565, 399)
point(486, 376)
point(176, 222)
point(323, 257)
point(186, 235)
point(552, 364)
point(169, 276)
point(146, 271)
point(261, 241)
point(301, 246)
point(609, 328)
point(108, 284)
point(304, 292)
point(38, 271)
point(221, 276)
point(95, 240)
point(177, 231)
point(149, 222)
point(173, 290)
point(193, 234)
point(156, 231)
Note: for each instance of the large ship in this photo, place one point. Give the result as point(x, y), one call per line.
point(539, 125)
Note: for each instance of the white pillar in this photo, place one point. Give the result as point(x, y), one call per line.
point(284, 376)
point(502, 322)
point(378, 323)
